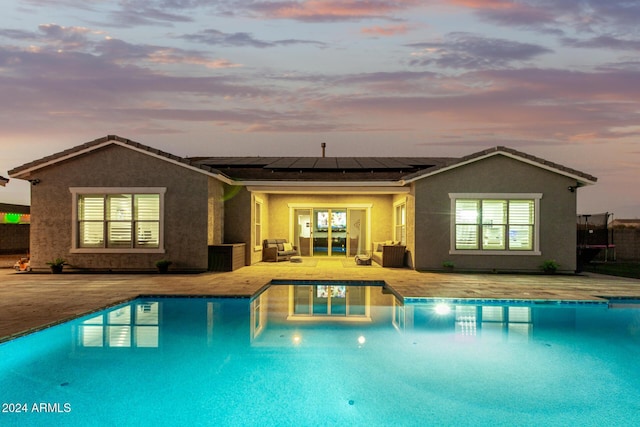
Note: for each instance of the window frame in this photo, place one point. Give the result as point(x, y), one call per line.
point(400, 221)
point(536, 197)
point(76, 192)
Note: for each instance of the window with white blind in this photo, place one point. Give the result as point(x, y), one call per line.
point(122, 219)
point(496, 223)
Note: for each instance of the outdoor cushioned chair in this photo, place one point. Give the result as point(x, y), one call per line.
point(388, 254)
point(278, 250)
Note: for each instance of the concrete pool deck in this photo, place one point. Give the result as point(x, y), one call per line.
point(30, 301)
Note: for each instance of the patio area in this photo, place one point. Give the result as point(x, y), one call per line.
point(30, 301)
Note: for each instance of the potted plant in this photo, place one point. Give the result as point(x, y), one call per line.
point(163, 265)
point(56, 265)
point(549, 266)
point(448, 265)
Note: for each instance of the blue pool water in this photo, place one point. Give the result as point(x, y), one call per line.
point(310, 355)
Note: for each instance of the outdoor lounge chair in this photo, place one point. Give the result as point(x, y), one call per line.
point(278, 250)
point(388, 254)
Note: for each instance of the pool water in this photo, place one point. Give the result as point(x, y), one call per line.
point(319, 355)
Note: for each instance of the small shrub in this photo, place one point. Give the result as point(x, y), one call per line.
point(550, 266)
point(163, 265)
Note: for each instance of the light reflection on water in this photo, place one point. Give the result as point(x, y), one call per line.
point(331, 355)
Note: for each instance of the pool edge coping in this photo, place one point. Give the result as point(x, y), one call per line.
point(598, 300)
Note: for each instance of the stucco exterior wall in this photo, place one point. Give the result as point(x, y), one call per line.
point(237, 208)
point(185, 209)
point(497, 174)
point(240, 219)
point(215, 212)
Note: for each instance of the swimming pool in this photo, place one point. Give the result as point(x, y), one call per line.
point(310, 354)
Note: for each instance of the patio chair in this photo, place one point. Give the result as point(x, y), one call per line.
point(275, 250)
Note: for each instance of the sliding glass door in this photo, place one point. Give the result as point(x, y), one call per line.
point(339, 233)
point(332, 232)
point(321, 231)
point(329, 232)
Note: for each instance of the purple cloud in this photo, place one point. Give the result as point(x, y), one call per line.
point(52, 36)
point(621, 12)
point(384, 77)
point(559, 16)
point(18, 34)
point(132, 13)
point(469, 51)
point(603, 42)
point(527, 104)
point(240, 39)
point(520, 14)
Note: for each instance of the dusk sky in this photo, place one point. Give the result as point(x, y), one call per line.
point(558, 79)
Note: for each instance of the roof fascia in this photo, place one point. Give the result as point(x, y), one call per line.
point(578, 178)
point(326, 188)
point(371, 183)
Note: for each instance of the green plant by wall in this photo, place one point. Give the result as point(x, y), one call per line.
point(550, 266)
point(56, 265)
point(163, 265)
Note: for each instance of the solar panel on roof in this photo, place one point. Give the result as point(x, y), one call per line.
point(370, 163)
point(258, 161)
point(237, 161)
point(392, 163)
point(308, 163)
point(282, 163)
point(326, 163)
point(347, 163)
point(304, 163)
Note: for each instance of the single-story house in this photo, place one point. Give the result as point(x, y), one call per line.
point(115, 204)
